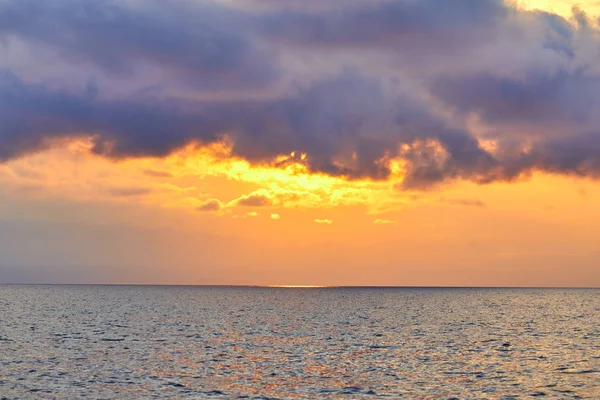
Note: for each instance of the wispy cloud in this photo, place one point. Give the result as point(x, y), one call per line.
point(129, 191)
point(324, 221)
point(384, 222)
point(158, 174)
point(464, 202)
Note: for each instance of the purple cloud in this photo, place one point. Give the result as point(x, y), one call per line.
point(346, 82)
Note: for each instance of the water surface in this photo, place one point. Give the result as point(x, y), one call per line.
point(133, 342)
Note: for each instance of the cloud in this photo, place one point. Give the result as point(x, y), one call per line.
point(158, 174)
point(384, 222)
point(32, 113)
point(254, 200)
point(400, 25)
point(464, 202)
point(210, 205)
point(324, 221)
point(351, 104)
point(564, 97)
point(205, 42)
point(275, 216)
point(350, 84)
point(129, 191)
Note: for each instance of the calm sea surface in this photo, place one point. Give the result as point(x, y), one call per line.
point(111, 342)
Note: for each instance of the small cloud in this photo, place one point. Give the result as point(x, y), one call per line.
point(464, 202)
point(157, 174)
point(384, 222)
point(252, 214)
point(210, 205)
point(254, 200)
point(324, 221)
point(275, 216)
point(129, 191)
point(27, 172)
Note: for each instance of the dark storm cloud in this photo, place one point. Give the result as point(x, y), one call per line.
point(555, 85)
point(384, 23)
point(324, 120)
point(577, 155)
point(30, 113)
point(201, 40)
point(345, 118)
point(565, 97)
point(350, 114)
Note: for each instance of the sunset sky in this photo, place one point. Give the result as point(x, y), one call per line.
point(300, 142)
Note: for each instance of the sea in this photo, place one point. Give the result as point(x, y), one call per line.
point(143, 342)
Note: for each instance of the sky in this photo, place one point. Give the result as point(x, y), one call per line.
point(300, 142)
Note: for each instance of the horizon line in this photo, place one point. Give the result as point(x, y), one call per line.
point(288, 286)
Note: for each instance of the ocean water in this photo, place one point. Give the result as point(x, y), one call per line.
point(128, 342)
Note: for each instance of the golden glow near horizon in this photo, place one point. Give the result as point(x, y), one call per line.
point(298, 286)
point(70, 170)
point(313, 229)
point(209, 179)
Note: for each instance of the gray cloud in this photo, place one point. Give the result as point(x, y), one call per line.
point(210, 205)
point(30, 113)
point(564, 98)
point(129, 191)
point(157, 174)
point(210, 45)
point(388, 24)
point(255, 201)
point(332, 118)
point(464, 202)
point(395, 72)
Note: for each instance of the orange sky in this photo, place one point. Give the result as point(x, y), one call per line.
point(202, 216)
point(143, 215)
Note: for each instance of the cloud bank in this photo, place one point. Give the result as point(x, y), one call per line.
point(469, 89)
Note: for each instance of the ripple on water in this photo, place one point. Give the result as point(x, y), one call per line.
point(153, 342)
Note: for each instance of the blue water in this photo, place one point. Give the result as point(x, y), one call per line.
point(127, 342)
